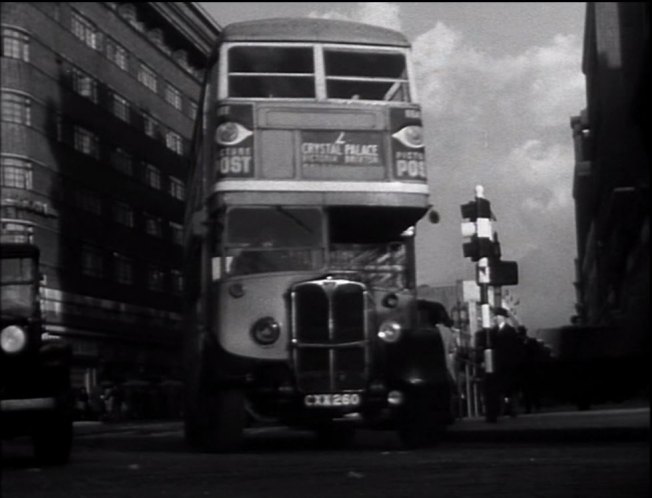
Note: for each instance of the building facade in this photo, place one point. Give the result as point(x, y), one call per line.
point(98, 103)
point(612, 174)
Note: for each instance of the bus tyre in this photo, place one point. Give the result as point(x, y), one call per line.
point(335, 435)
point(419, 423)
point(192, 409)
point(218, 424)
point(52, 440)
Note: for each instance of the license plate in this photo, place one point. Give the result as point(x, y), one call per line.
point(330, 400)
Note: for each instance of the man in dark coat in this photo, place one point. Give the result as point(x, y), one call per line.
point(509, 358)
point(501, 386)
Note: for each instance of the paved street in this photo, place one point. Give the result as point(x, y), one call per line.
point(602, 453)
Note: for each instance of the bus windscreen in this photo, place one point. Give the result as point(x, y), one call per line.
point(273, 239)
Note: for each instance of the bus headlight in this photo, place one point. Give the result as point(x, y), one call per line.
point(410, 136)
point(390, 300)
point(13, 339)
point(236, 290)
point(231, 133)
point(266, 331)
point(390, 331)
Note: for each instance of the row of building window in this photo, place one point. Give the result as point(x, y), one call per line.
point(90, 35)
point(17, 108)
point(85, 85)
point(123, 214)
point(88, 143)
point(129, 13)
point(17, 173)
point(16, 45)
point(122, 269)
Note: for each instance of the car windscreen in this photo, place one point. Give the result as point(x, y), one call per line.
point(17, 291)
point(17, 270)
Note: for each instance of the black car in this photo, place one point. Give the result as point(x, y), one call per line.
point(35, 392)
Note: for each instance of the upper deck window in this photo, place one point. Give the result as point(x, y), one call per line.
point(319, 72)
point(365, 75)
point(271, 72)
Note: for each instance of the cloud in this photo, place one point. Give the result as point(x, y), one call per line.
point(384, 14)
point(546, 175)
point(557, 85)
point(501, 121)
point(543, 84)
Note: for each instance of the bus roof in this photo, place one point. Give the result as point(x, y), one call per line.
point(312, 30)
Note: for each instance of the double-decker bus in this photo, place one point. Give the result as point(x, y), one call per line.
point(308, 178)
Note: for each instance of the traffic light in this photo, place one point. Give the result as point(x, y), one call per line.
point(478, 228)
point(478, 208)
point(478, 247)
point(503, 272)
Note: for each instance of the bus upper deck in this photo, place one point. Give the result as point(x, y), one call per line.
point(310, 111)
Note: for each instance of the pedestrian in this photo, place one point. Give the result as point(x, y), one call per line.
point(509, 360)
point(118, 399)
point(484, 340)
point(501, 384)
point(81, 404)
point(96, 404)
point(107, 397)
point(534, 373)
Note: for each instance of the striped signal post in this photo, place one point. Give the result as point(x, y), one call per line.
point(480, 248)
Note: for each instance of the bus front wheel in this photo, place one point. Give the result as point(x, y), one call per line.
point(218, 421)
point(336, 436)
point(420, 423)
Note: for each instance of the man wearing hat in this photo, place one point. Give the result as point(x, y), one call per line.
point(508, 361)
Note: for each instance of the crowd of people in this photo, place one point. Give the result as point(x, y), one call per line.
point(131, 400)
point(511, 379)
point(515, 379)
point(513, 383)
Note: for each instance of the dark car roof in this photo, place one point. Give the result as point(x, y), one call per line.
point(313, 30)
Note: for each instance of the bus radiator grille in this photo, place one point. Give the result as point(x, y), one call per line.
point(329, 336)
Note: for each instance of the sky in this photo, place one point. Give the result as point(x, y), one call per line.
point(498, 84)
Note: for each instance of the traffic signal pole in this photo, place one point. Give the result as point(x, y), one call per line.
point(484, 249)
point(485, 313)
point(480, 247)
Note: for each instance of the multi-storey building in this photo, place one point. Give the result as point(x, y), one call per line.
point(612, 175)
point(98, 101)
